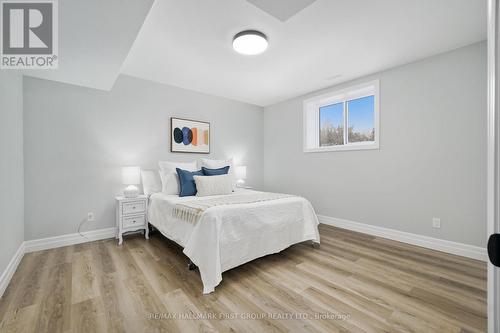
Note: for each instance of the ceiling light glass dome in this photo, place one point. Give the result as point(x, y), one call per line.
point(250, 42)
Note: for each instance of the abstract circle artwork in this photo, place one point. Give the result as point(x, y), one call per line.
point(187, 134)
point(178, 136)
point(190, 136)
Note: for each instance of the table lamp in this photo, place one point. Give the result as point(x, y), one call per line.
point(131, 176)
point(241, 174)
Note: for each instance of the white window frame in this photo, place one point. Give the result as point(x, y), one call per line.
point(311, 130)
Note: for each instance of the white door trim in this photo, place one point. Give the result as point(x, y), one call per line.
point(493, 165)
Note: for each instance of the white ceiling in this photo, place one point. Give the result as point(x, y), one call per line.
point(281, 9)
point(188, 43)
point(95, 37)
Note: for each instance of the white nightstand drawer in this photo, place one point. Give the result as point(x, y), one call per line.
point(133, 221)
point(131, 215)
point(134, 207)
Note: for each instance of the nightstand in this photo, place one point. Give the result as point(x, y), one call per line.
point(131, 215)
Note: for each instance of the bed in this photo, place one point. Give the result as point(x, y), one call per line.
point(227, 236)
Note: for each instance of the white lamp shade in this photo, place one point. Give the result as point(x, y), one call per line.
point(131, 175)
point(241, 172)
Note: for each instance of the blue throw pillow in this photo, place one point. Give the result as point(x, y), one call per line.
point(215, 172)
point(186, 181)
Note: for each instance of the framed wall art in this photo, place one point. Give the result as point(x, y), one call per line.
point(189, 136)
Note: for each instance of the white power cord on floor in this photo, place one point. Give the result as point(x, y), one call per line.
point(79, 227)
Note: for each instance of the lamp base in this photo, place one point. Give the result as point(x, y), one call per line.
point(131, 192)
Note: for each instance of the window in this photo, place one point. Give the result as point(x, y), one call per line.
point(342, 120)
point(331, 125)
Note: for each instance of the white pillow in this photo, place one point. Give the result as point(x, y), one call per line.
point(151, 181)
point(169, 177)
point(216, 164)
point(213, 185)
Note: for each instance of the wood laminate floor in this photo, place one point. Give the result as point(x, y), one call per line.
point(353, 283)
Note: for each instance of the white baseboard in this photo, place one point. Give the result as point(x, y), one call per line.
point(460, 249)
point(465, 250)
point(11, 268)
point(50, 243)
point(69, 239)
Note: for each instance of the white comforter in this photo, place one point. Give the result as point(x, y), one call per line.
point(230, 235)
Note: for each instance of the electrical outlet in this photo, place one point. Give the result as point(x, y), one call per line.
point(436, 222)
point(90, 217)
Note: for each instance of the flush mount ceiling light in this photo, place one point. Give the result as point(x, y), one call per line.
point(250, 42)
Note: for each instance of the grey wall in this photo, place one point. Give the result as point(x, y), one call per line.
point(77, 139)
point(432, 157)
point(11, 166)
point(431, 160)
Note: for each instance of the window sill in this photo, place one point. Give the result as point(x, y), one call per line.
point(342, 148)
